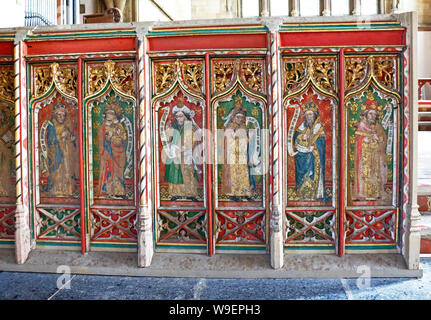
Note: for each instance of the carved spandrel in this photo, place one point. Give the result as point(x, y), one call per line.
point(42, 81)
point(165, 76)
point(123, 78)
point(7, 84)
point(295, 74)
point(193, 75)
point(384, 71)
point(97, 78)
point(324, 74)
point(355, 72)
point(223, 75)
point(65, 79)
point(253, 75)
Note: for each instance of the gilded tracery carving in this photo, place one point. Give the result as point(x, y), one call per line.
point(294, 74)
point(355, 72)
point(122, 77)
point(298, 71)
point(193, 75)
point(6, 84)
point(43, 81)
point(65, 79)
point(190, 74)
point(223, 74)
point(164, 77)
point(249, 71)
point(252, 72)
point(380, 68)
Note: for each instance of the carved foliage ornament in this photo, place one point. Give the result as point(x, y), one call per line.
point(7, 84)
point(42, 81)
point(223, 75)
point(190, 74)
point(356, 70)
point(122, 77)
point(249, 71)
point(64, 77)
point(319, 70)
point(381, 68)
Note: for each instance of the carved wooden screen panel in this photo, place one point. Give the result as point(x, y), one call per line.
point(240, 165)
point(7, 158)
point(373, 103)
point(53, 156)
point(110, 153)
point(310, 104)
point(179, 123)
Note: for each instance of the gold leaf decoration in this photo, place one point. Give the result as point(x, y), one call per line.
point(7, 84)
point(355, 71)
point(97, 77)
point(223, 75)
point(384, 71)
point(193, 75)
point(294, 75)
point(65, 78)
point(252, 73)
point(42, 81)
point(123, 77)
point(165, 76)
point(323, 73)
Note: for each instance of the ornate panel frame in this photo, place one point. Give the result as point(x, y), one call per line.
point(311, 87)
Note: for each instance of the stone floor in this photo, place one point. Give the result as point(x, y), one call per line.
point(162, 293)
point(217, 266)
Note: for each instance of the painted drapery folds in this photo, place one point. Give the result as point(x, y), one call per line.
point(111, 128)
point(257, 138)
point(237, 180)
point(179, 147)
point(105, 204)
point(373, 96)
point(54, 156)
point(239, 113)
point(310, 109)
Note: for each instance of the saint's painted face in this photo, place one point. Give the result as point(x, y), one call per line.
point(239, 118)
point(309, 118)
point(60, 116)
point(371, 117)
point(110, 115)
point(180, 118)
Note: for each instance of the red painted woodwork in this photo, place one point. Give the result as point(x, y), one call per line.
point(80, 46)
point(228, 41)
point(345, 38)
point(6, 48)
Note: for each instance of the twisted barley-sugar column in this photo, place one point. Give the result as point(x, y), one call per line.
point(145, 236)
point(276, 235)
point(22, 230)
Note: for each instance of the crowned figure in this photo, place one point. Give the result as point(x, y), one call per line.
point(310, 147)
point(237, 177)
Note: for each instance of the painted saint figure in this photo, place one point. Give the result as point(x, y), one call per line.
point(61, 155)
point(310, 146)
point(237, 177)
point(181, 169)
point(371, 170)
point(7, 189)
point(112, 141)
